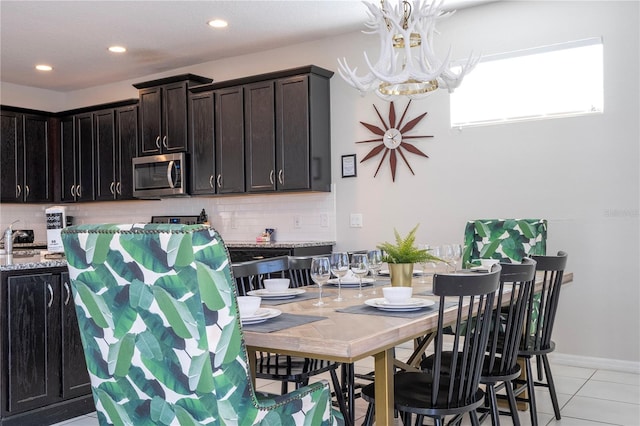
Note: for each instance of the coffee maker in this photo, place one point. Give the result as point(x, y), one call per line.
point(56, 221)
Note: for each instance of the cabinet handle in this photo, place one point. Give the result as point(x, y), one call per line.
point(158, 142)
point(281, 176)
point(164, 142)
point(50, 289)
point(68, 291)
point(18, 191)
point(211, 181)
point(271, 176)
point(73, 190)
point(26, 191)
point(219, 180)
point(78, 193)
point(119, 188)
point(112, 188)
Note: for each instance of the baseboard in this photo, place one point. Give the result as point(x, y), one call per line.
point(592, 362)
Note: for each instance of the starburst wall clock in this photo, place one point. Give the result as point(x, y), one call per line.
point(393, 139)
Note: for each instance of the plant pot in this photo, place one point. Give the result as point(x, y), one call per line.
point(401, 274)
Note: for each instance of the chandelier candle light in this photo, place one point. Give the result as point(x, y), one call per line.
point(406, 69)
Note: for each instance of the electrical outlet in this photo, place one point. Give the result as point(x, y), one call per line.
point(355, 220)
point(324, 220)
point(296, 222)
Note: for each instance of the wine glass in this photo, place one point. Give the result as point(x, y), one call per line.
point(375, 263)
point(423, 277)
point(360, 267)
point(339, 263)
point(447, 254)
point(320, 273)
point(456, 255)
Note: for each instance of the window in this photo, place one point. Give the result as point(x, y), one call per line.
point(546, 82)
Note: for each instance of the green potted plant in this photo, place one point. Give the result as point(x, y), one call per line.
point(402, 255)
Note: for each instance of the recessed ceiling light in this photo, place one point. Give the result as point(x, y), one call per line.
point(218, 23)
point(117, 49)
point(43, 67)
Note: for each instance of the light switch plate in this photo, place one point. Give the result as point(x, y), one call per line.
point(355, 220)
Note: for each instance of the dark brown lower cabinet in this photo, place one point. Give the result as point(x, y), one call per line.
point(43, 374)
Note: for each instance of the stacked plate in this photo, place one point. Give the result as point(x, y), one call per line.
point(350, 283)
point(412, 304)
point(286, 294)
point(261, 315)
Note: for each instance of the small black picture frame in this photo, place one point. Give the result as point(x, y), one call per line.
point(349, 166)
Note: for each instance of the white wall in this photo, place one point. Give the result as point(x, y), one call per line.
point(580, 173)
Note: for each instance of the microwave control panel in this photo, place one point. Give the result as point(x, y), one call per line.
point(184, 220)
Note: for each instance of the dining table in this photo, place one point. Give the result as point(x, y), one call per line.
point(351, 330)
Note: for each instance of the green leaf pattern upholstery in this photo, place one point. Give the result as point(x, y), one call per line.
point(508, 240)
point(157, 312)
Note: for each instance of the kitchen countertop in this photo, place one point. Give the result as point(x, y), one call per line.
point(277, 244)
point(31, 259)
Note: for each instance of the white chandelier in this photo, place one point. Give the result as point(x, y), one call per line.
point(406, 69)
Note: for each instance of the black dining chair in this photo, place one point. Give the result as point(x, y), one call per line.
point(539, 321)
point(501, 359)
point(450, 388)
point(286, 369)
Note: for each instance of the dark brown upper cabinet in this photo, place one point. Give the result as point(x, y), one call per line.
point(272, 132)
point(164, 113)
point(24, 157)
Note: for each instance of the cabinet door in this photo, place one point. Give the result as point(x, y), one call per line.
point(84, 159)
point(150, 121)
point(37, 170)
point(33, 343)
point(229, 129)
point(127, 134)
point(11, 156)
point(259, 119)
point(175, 127)
point(68, 162)
point(292, 118)
point(105, 141)
point(201, 116)
point(74, 376)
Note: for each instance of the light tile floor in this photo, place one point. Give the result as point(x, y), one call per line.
point(587, 397)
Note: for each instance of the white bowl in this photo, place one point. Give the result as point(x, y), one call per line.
point(248, 305)
point(276, 285)
point(488, 263)
point(397, 294)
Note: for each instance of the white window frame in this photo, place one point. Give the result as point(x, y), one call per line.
point(486, 105)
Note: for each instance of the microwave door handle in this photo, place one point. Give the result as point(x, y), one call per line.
point(170, 168)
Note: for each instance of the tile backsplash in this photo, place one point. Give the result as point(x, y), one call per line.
point(296, 217)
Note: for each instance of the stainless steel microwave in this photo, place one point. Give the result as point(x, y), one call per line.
point(160, 176)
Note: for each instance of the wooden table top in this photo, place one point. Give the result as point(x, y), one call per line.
point(347, 337)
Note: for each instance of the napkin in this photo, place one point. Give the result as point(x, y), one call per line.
point(350, 277)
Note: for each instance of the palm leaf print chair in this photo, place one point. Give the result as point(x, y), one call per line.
point(507, 240)
point(160, 327)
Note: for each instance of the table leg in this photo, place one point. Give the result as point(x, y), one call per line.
point(383, 362)
point(252, 365)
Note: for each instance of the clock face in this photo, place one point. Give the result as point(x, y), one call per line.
point(393, 139)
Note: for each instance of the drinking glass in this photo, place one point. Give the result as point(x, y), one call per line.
point(447, 254)
point(360, 267)
point(375, 263)
point(424, 264)
point(339, 263)
point(456, 255)
point(320, 274)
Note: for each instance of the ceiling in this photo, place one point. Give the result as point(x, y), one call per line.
point(73, 36)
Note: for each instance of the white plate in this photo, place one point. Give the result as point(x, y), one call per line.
point(261, 315)
point(365, 281)
point(412, 304)
point(287, 294)
point(385, 272)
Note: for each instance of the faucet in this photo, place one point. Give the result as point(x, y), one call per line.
point(10, 236)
